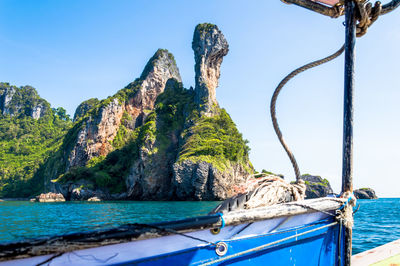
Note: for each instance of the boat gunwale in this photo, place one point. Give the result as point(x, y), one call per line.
point(134, 232)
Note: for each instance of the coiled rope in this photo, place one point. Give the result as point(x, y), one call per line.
point(275, 97)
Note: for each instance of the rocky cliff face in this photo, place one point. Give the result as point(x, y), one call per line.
point(209, 46)
point(6, 94)
point(101, 126)
point(365, 193)
point(197, 177)
point(164, 170)
point(160, 68)
point(38, 110)
point(156, 140)
point(23, 101)
point(96, 133)
point(316, 187)
point(203, 181)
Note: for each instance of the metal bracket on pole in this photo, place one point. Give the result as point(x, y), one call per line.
point(333, 12)
point(333, 8)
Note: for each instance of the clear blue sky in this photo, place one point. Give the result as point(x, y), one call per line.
point(74, 50)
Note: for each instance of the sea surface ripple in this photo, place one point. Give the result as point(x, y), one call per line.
point(376, 223)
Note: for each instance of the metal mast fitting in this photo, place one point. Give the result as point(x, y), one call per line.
point(334, 8)
point(334, 11)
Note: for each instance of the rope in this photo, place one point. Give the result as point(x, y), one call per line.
point(222, 219)
point(275, 97)
point(350, 197)
point(262, 247)
point(390, 7)
point(366, 16)
point(50, 259)
point(345, 212)
point(178, 233)
point(312, 208)
point(349, 201)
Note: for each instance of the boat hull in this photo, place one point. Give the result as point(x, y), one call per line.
point(307, 239)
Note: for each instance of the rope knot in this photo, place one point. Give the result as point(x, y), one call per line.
point(345, 213)
point(366, 15)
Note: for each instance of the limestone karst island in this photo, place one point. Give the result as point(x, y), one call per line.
point(151, 140)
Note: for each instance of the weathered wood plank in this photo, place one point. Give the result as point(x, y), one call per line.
point(382, 254)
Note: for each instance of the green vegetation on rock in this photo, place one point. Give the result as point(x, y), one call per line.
point(211, 139)
point(25, 144)
point(215, 140)
point(84, 107)
point(109, 173)
point(204, 27)
point(22, 101)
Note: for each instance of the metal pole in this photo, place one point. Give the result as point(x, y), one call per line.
point(347, 170)
point(347, 167)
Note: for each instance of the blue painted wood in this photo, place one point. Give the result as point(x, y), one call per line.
point(317, 248)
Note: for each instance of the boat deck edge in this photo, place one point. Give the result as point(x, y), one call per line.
point(388, 254)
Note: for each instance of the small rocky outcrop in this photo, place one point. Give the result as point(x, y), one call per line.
point(49, 197)
point(81, 190)
point(316, 186)
point(38, 111)
point(84, 107)
point(6, 94)
point(365, 193)
point(94, 199)
point(209, 46)
point(24, 100)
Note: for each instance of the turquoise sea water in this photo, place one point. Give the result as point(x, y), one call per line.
point(377, 222)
